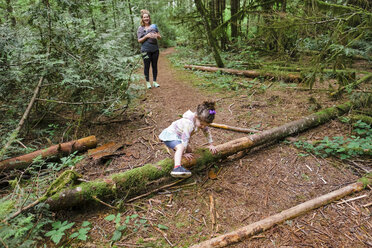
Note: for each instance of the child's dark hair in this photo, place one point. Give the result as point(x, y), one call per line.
point(206, 111)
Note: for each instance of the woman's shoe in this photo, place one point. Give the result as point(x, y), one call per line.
point(148, 85)
point(156, 85)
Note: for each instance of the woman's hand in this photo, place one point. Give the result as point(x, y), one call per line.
point(212, 148)
point(188, 156)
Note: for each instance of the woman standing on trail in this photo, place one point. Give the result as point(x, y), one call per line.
point(148, 35)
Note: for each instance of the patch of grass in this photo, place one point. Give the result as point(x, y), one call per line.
point(180, 224)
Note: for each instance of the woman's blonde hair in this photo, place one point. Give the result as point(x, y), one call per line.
point(143, 12)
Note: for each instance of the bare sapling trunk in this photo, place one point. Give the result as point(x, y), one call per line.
point(23, 161)
point(23, 119)
point(142, 179)
point(237, 129)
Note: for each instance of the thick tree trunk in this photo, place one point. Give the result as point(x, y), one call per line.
point(9, 13)
point(211, 39)
point(64, 148)
point(247, 73)
point(138, 180)
point(235, 6)
point(263, 225)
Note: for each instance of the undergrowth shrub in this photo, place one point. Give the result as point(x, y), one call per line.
point(358, 144)
point(28, 228)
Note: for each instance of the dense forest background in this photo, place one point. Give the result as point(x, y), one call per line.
point(83, 54)
point(79, 58)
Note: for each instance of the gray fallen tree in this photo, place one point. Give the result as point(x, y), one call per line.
point(287, 76)
point(263, 225)
point(146, 178)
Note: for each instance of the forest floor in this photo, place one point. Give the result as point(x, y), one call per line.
point(244, 189)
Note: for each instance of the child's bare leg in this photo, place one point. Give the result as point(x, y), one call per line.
point(178, 170)
point(178, 154)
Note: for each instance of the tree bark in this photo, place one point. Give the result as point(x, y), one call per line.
point(265, 224)
point(235, 5)
point(247, 73)
point(9, 13)
point(142, 179)
point(64, 148)
point(211, 39)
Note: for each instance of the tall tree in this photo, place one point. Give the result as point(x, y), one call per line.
point(235, 5)
point(211, 39)
point(9, 13)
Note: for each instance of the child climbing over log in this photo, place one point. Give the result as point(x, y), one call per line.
point(177, 135)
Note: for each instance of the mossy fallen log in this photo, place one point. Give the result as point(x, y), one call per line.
point(351, 86)
point(263, 225)
point(23, 161)
point(364, 118)
point(139, 180)
point(249, 73)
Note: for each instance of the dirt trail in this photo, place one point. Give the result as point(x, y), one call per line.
point(246, 189)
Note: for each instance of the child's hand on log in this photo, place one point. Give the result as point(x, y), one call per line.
point(212, 148)
point(188, 156)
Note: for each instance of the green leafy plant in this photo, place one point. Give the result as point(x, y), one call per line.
point(82, 233)
point(58, 230)
point(132, 222)
point(118, 227)
point(339, 146)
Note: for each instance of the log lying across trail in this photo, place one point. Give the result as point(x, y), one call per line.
point(143, 179)
point(248, 73)
point(23, 161)
point(263, 225)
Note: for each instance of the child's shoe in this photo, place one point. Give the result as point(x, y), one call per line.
point(148, 85)
point(156, 85)
point(180, 172)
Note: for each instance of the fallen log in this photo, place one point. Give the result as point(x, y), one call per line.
point(248, 73)
point(237, 129)
point(133, 182)
point(364, 79)
point(23, 161)
point(265, 224)
point(364, 118)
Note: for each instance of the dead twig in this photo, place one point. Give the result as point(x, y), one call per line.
point(367, 205)
point(144, 128)
point(104, 203)
point(352, 199)
point(212, 211)
point(230, 108)
point(162, 233)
